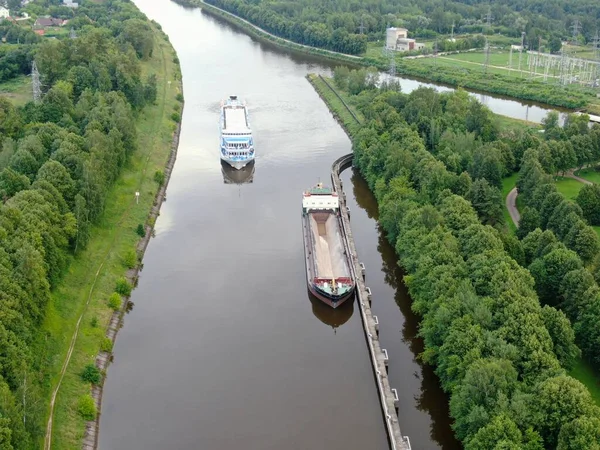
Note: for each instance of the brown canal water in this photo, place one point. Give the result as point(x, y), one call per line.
point(224, 347)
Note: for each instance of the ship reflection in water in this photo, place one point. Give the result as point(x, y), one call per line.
point(334, 317)
point(235, 176)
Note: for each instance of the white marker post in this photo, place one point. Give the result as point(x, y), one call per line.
point(137, 197)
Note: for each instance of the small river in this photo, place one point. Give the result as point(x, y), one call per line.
point(223, 346)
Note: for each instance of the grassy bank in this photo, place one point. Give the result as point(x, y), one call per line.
point(429, 69)
point(344, 113)
point(93, 273)
point(18, 90)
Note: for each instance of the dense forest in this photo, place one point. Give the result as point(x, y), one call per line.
point(504, 317)
point(58, 160)
point(336, 25)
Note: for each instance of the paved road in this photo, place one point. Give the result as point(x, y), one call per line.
point(511, 205)
point(511, 198)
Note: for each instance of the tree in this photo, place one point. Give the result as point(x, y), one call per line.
point(549, 271)
point(559, 401)
point(589, 201)
point(56, 174)
point(487, 201)
point(483, 393)
point(530, 220)
point(583, 240)
point(12, 182)
point(551, 125)
point(582, 432)
point(554, 44)
point(139, 34)
point(562, 336)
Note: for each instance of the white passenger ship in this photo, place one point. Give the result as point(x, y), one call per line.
point(237, 144)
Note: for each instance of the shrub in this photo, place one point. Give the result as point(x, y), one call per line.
point(94, 322)
point(179, 97)
point(123, 287)
point(140, 230)
point(176, 117)
point(87, 407)
point(91, 374)
point(106, 345)
point(130, 259)
point(114, 301)
point(159, 177)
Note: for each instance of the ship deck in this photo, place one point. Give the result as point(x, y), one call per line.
point(329, 259)
point(235, 120)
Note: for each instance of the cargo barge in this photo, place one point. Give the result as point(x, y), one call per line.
point(328, 271)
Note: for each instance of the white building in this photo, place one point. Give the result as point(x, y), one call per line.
point(397, 39)
point(70, 3)
point(392, 35)
point(4, 13)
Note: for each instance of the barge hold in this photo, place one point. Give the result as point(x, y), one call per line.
point(328, 271)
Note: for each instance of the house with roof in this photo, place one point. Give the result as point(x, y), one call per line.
point(4, 12)
point(45, 22)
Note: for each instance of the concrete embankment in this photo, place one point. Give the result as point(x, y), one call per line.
point(379, 359)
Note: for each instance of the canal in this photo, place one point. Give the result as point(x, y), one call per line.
point(223, 346)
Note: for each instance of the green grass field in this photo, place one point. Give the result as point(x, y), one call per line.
point(97, 268)
point(17, 90)
point(568, 187)
point(585, 374)
point(592, 175)
point(499, 62)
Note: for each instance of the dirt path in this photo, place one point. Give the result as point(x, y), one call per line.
point(571, 174)
point(511, 205)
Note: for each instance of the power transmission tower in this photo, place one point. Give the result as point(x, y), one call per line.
point(521, 51)
point(361, 28)
point(596, 71)
point(563, 66)
point(452, 32)
point(575, 27)
point(72, 34)
point(392, 66)
point(435, 52)
point(36, 84)
point(489, 18)
point(487, 55)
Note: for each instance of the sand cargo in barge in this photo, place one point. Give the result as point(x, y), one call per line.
point(328, 271)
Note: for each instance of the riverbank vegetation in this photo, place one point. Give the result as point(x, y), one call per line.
point(69, 167)
point(339, 22)
point(336, 37)
point(496, 311)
